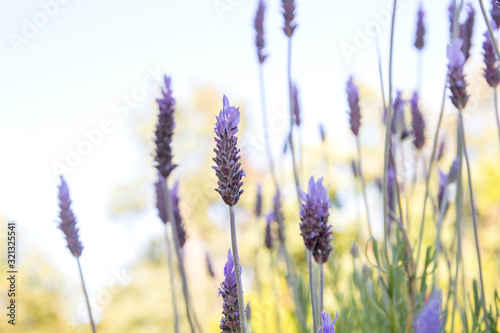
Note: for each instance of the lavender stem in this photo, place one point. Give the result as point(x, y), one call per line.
point(180, 256)
point(490, 30)
point(363, 184)
point(86, 296)
point(311, 290)
point(474, 217)
point(321, 286)
point(237, 268)
point(172, 286)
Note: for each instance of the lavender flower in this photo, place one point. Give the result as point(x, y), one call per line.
point(441, 148)
point(492, 71)
point(427, 320)
point(466, 30)
point(68, 220)
point(327, 323)
point(268, 240)
point(451, 16)
point(314, 216)
point(165, 130)
point(288, 15)
point(227, 156)
point(353, 99)
point(456, 77)
point(230, 321)
point(322, 132)
point(419, 39)
point(296, 107)
point(181, 231)
point(418, 122)
point(495, 13)
point(398, 126)
point(208, 261)
point(259, 30)
point(277, 216)
point(160, 198)
point(258, 202)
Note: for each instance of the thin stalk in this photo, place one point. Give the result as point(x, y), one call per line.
point(437, 243)
point(388, 117)
point(311, 291)
point(474, 217)
point(290, 134)
point(180, 256)
point(495, 94)
point(86, 296)
point(420, 61)
point(363, 184)
point(266, 125)
point(172, 286)
point(490, 30)
point(275, 290)
point(321, 287)
point(237, 268)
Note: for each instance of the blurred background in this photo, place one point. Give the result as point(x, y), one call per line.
point(78, 87)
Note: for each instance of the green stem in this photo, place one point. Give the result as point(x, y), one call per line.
point(172, 286)
point(86, 296)
point(237, 268)
point(321, 287)
point(363, 184)
point(311, 291)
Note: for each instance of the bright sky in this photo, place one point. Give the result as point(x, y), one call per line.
point(85, 63)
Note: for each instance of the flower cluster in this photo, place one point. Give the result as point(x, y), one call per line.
point(354, 110)
point(259, 30)
point(418, 122)
point(289, 15)
point(419, 38)
point(160, 198)
point(227, 156)
point(230, 321)
point(492, 71)
point(314, 216)
point(181, 231)
point(495, 12)
point(466, 30)
point(268, 238)
point(456, 77)
point(68, 220)
point(165, 130)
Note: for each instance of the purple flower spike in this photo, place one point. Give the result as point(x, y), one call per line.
point(268, 240)
point(314, 216)
point(68, 220)
point(259, 31)
point(353, 99)
point(160, 198)
point(227, 156)
point(466, 30)
point(441, 148)
point(230, 321)
point(296, 105)
point(181, 231)
point(491, 72)
point(165, 130)
point(456, 77)
point(277, 216)
point(258, 201)
point(419, 39)
point(328, 325)
point(322, 133)
point(418, 122)
point(289, 15)
point(495, 13)
point(398, 124)
point(427, 320)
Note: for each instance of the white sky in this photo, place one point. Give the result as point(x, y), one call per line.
point(67, 77)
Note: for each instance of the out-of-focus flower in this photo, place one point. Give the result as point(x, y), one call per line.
point(419, 38)
point(277, 215)
point(259, 31)
point(230, 321)
point(444, 181)
point(268, 239)
point(296, 106)
point(165, 130)
point(441, 148)
point(258, 201)
point(328, 325)
point(289, 15)
point(466, 30)
point(160, 198)
point(495, 13)
point(418, 122)
point(68, 220)
point(322, 132)
point(208, 261)
point(398, 124)
point(428, 319)
point(181, 231)
point(354, 168)
point(492, 71)
point(354, 110)
point(354, 250)
point(227, 155)
point(456, 77)
point(314, 216)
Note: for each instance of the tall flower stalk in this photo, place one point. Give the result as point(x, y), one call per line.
point(355, 122)
point(317, 235)
point(68, 227)
point(229, 172)
point(420, 43)
point(163, 162)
